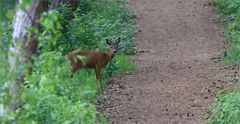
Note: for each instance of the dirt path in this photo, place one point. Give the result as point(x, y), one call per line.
point(177, 75)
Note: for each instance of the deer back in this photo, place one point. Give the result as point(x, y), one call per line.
point(90, 59)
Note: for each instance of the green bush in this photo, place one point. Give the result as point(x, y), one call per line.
point(124, 64)
point(89, 30)
point(227, 108)
point(51, 94)
point(227, 7)
point(54, 96)
point(230, 16)
point(5, 39)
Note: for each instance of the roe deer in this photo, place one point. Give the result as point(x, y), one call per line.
point(93, 59)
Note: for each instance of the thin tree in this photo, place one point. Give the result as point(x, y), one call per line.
point(22, 47)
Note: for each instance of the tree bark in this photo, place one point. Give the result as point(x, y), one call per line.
point(22, 48)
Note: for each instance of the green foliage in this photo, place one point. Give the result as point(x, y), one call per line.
point(6, 7)
point(51, 37)
point(230, 15)
point(227, 6)
point(5, 39)
point(85, 6)
point(51, 95)
point(54, 96)
point(233, 54)
point(91, 26)
point(120, 64)
point(124, 64)
point(227, 108)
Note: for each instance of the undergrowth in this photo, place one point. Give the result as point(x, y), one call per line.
point(227, 107)
point(52, 96)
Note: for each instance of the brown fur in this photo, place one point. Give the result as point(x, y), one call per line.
point(92, 59)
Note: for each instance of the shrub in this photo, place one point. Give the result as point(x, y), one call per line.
point(51, 94)
point(227, 109)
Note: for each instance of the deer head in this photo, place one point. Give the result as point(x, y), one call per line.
point(113, 45)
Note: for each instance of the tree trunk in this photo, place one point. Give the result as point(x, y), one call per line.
point(22, 48)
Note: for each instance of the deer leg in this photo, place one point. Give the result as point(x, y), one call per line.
point(98, 75)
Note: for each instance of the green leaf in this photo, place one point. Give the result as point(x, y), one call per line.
point(82, 58)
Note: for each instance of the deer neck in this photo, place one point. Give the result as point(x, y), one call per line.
point(110, 55)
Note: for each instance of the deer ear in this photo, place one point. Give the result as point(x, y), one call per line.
point(118, 40)
point(108, 41)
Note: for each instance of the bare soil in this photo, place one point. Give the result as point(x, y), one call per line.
point(179, 46)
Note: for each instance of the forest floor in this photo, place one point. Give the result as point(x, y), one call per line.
point(179, 45)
